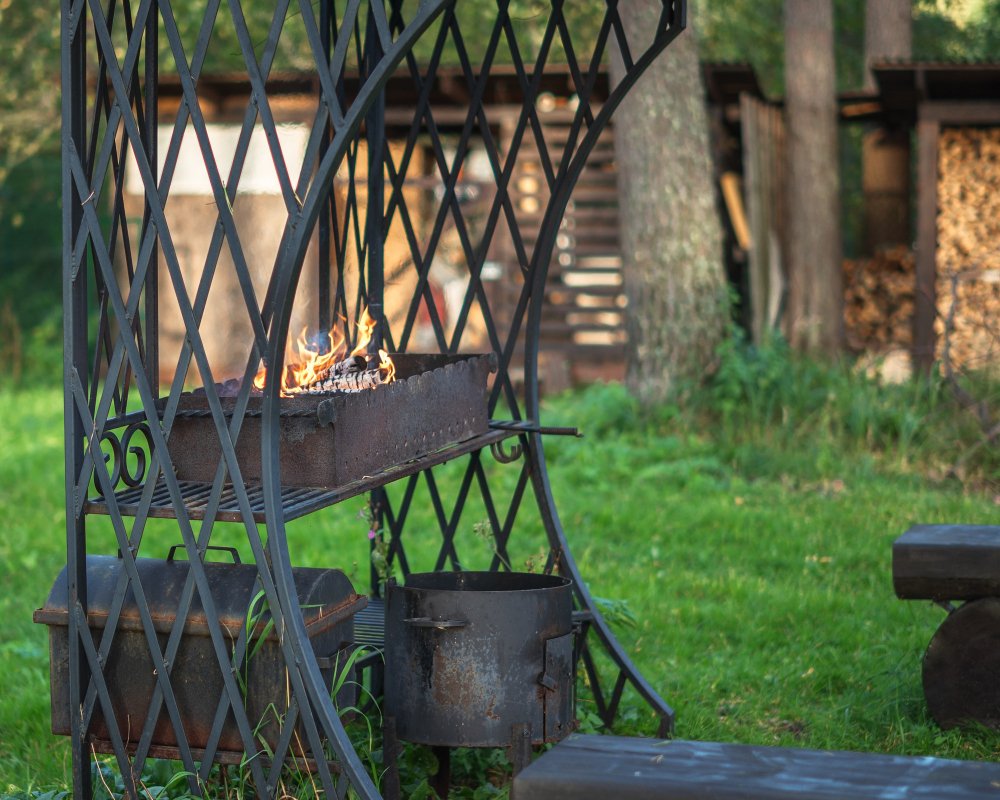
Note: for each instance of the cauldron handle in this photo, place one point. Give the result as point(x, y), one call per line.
point(231, 550)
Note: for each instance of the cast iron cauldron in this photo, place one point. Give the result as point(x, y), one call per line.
point(471, 654)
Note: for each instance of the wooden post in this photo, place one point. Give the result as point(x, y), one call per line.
point(885, 182)
point(763, 156)
point(885, 150)
point(925, 303)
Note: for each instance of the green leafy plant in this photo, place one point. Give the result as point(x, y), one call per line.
point(379, 545)
point(616, 612)
point(161, 780)
point(35, 794)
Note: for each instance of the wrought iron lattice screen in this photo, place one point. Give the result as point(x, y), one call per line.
point(354, 233)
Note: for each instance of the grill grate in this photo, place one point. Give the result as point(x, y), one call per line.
point(296, 501)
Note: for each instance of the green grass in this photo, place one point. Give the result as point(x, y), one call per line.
point(32, 549)
point(749, 531)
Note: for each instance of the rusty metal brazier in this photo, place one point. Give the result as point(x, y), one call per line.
point(329, 603)
point(469, 655)
point(328, 440)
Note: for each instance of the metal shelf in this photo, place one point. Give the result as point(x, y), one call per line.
point(296, 501)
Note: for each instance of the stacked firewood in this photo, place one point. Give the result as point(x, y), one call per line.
point(968, 256)
point(968, 324)
point(878, 300)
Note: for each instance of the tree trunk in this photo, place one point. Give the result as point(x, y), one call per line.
point(888, 33)
point(885, 151)
point(815, 286)
point(670, 232)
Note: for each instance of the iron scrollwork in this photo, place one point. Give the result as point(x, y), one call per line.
point(121, 448)
point(504, 456)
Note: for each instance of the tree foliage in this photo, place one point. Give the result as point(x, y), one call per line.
point(751, 31)
point(29, 190)
point(947, 30)
point(729, 30)
point(529, 19)
point(29, 82)
point(29, 52)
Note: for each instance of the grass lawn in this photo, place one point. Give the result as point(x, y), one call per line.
point(756, 564)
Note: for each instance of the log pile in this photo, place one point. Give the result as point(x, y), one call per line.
point(969, 321)
point(968, 255)
point(878, 301)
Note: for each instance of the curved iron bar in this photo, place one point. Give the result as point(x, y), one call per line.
point(116, 459)
point(505, 456)
point(130, 478)
point(541, 260)
point(121, 448)
point(287, 271)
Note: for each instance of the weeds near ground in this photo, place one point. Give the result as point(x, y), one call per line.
point(767, 412)
point(768, 392)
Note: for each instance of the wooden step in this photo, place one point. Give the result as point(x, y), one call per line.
point(584, 767)
point(947, 562)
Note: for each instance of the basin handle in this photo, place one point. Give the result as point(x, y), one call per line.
point(231, 550)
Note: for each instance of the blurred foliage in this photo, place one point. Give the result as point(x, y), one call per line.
point(30, 228)
point(957, 29)
point(476, 18)
point(751, 31)
point(729, 30)
point(29, 90)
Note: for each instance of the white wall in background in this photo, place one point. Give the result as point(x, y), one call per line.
point(258, 176)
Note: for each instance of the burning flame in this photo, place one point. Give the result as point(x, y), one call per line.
point(307, 361)
point(365, 329)
point(386, 366)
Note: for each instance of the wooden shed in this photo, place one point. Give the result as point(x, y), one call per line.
point(927, 282)
point(955, 110)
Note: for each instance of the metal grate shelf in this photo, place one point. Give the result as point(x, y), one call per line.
point(369, 624)
point(296, 501)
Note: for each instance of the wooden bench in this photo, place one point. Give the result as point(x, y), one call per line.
point(947, 563)
point(584, 767)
